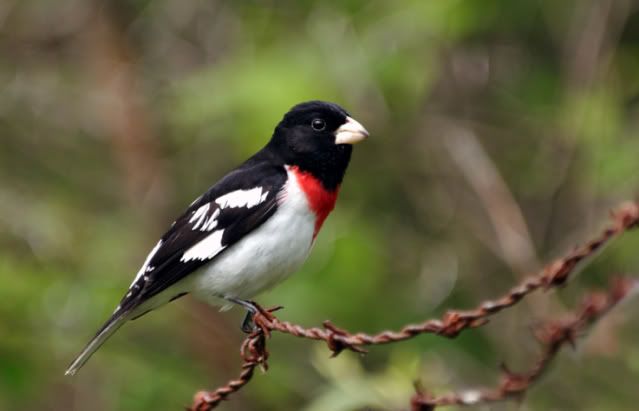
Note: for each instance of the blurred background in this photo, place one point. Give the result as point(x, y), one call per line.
point(502, 132)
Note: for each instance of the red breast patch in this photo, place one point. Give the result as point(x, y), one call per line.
point(320, 200)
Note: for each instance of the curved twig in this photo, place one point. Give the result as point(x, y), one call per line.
point(255, 355)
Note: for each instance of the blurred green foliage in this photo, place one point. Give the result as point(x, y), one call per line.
point(502, 132)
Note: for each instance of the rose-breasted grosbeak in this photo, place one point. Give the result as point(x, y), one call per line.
point(252, 229)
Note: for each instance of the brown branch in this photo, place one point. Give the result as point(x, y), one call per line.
point(255, 355)
point(553, 275)
point(553, 336)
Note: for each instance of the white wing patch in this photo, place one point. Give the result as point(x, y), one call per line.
point(199, 215)
point(235, 199)
point(211, 222)
point(242, 198)
point(212, 244)
point(206, 248)
point(202, 221)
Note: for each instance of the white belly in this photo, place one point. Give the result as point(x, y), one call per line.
point(264, 257)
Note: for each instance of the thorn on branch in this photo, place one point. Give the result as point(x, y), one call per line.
point(336, 344)
point(421, 400)
point(626, 215)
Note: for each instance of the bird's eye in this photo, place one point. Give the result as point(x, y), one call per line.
point(318, 124)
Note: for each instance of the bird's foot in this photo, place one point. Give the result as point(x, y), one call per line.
point(248, 325)
point(251, 322)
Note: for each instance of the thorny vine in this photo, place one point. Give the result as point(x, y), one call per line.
point(553, 337)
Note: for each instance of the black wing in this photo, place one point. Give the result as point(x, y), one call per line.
point(236, 205)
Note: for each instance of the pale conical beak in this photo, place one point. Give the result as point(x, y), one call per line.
point(350, 132)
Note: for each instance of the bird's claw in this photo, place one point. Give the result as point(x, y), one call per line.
point(248, 325)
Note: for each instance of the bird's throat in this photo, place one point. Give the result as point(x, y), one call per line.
point(320, 200)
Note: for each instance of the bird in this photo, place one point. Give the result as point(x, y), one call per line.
point(253, 228)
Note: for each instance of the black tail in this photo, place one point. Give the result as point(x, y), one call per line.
point(101, 336)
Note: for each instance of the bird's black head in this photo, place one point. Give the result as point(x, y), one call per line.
point(317, 137)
